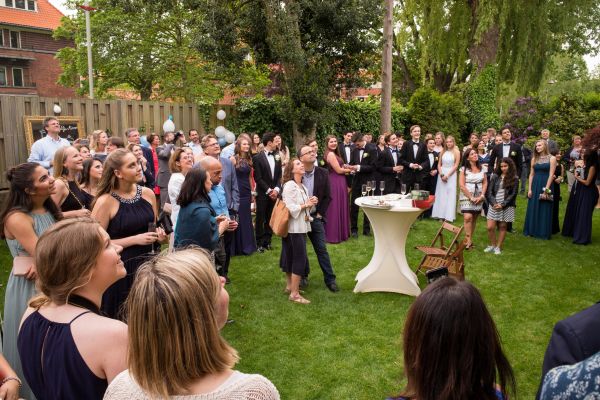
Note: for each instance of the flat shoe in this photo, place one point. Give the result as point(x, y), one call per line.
point(288, 291)
point(299, 300)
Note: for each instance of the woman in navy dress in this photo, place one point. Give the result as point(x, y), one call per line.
point(68, 350)
point(127, 212)
point(244, 242)
point(538, 219)
point(584, 195)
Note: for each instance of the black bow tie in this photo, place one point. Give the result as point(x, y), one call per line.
point(394, 151)
point(270, 153)
point(506, 144)
point(347, 145)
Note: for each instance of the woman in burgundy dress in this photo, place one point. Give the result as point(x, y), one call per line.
point(337, 225)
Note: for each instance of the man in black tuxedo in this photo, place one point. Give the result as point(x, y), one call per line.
point(346, 147)
point(267, 174)
point(506, 149)
point(573, 340)
point(388, 164)
point(316, 180)
point(363, 164)
point(430, 179)
point(413, 158)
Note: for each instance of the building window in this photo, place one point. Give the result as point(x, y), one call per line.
point(20, 4)
point(1, 37)
point(3, 81)
point(8, 3)
point(15, 39)
point(31, 5)
point(18, 77)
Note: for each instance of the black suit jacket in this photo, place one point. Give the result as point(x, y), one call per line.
point(346, 160)
point(385, 165)
point(262, 174)
point(515, 154)
point(367, 165)
point(573, 339)
point(322, 190)
point(408, 157)
point(148, 156)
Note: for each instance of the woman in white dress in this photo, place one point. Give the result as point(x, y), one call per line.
point(444, 206)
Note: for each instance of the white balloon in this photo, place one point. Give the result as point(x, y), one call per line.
point(230, 137)
point(220, 131)
point(221, 115)
point(168, 126)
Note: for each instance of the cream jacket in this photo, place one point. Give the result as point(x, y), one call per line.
point(294, 196)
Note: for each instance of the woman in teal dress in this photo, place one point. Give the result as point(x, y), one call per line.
point(29, 211)
point(538, 220)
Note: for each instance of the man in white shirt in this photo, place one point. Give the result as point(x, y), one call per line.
point(42, 151)
point(194, 142)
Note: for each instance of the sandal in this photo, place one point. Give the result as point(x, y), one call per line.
point(288, 291)
point(299, 299)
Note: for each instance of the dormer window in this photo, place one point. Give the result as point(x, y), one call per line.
point(29, 5)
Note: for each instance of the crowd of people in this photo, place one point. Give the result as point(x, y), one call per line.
point(87, 222)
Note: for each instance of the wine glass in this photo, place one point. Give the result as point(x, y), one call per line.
point(368, 187)
point(416, 187)
point(403, 189)
point(364, 190)
point(152, 228)
point(381, 187)
point(373, 187)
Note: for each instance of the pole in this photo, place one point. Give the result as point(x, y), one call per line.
point(88, 33)
point(386, 69)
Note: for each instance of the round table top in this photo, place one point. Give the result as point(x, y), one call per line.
point(393, 203)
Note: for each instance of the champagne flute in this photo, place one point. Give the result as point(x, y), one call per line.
point(152, 228)
point(368, 185)
point(364, 190)
point(373, 187)
point(403, 189)
point(381, 187)
point(416, 187)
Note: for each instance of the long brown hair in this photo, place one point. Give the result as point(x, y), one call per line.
point(287, 172)
point(511, 177)
point(536, 156)
point(20, 178)
point(109, 181)
point(242, 159)
point(327, 150)
point(64, 257)
point(451, 346)
point(172, 318)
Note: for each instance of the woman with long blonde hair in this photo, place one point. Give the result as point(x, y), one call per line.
point(68, 349)
point(538, 218)
point(444, 206)
point(127, 211)
point(68, 165)
point(175, 312)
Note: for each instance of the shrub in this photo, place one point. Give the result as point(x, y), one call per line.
point(480, 99)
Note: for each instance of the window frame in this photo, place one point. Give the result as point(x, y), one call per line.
point(1, 37)
point(2, 67)
point(22, 77)
point(19, 8)
point(18, 39)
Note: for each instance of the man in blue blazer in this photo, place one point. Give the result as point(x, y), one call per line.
point(573, 339)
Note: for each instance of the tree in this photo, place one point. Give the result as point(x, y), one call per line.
point(148, 47)
point(386, 73)
point(315, 48)
point(452, 39)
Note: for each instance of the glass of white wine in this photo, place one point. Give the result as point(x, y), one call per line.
point(381, 187)
point(403, 189)
point(368, 185)
point(364, 190)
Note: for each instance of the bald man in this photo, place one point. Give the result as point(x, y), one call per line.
point(218, 201)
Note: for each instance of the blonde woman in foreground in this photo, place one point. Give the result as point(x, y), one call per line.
point(175, 311)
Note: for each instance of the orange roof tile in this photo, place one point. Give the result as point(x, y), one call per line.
point(46, 16)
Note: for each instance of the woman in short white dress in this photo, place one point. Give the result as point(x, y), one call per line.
point(501, 196)
point(473, 185)
point(444, 206)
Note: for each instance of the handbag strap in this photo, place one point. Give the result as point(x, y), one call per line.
point(66, 182)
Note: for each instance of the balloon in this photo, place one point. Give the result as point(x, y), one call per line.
point(168, 125)
point(230, 137)
point(220, 131)
point(222, 142)
point(221, 115)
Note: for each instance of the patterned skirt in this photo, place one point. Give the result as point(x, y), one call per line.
point(506, 214)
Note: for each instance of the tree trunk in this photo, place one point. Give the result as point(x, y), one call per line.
point(386, 72)
point(300, 136)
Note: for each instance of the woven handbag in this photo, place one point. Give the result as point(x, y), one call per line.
point(279, 219)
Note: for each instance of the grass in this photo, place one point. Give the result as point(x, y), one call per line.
point(347, 345)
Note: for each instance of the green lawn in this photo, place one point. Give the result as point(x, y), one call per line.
point(348, 346)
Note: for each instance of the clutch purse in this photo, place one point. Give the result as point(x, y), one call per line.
point(22, 265)
point(164, 221)
point(546, 197)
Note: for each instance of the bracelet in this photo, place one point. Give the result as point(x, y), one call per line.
point(11, 378)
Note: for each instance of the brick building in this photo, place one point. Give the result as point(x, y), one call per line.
point(27, 49)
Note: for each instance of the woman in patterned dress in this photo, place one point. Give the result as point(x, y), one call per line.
point(473, 185)
point(501, 197)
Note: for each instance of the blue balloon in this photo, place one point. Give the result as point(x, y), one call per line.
point(222, 142)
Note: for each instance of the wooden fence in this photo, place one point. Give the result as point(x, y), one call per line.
point(114, 116)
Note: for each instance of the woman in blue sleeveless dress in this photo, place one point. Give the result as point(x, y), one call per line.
point(244, 242)
point(68, 350)
point(28, 213)
point(583, 199)
point(127, 212)
point(538, 219)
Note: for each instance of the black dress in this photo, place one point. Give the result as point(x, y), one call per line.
point(77, 198)
point(557, 199)
point(580, 208)
point(133, 218)
point(244, 242)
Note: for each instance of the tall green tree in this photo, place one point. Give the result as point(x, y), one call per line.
point(449, 40)
point(148, 47)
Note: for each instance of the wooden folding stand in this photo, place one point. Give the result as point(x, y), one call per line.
point(438, 254)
